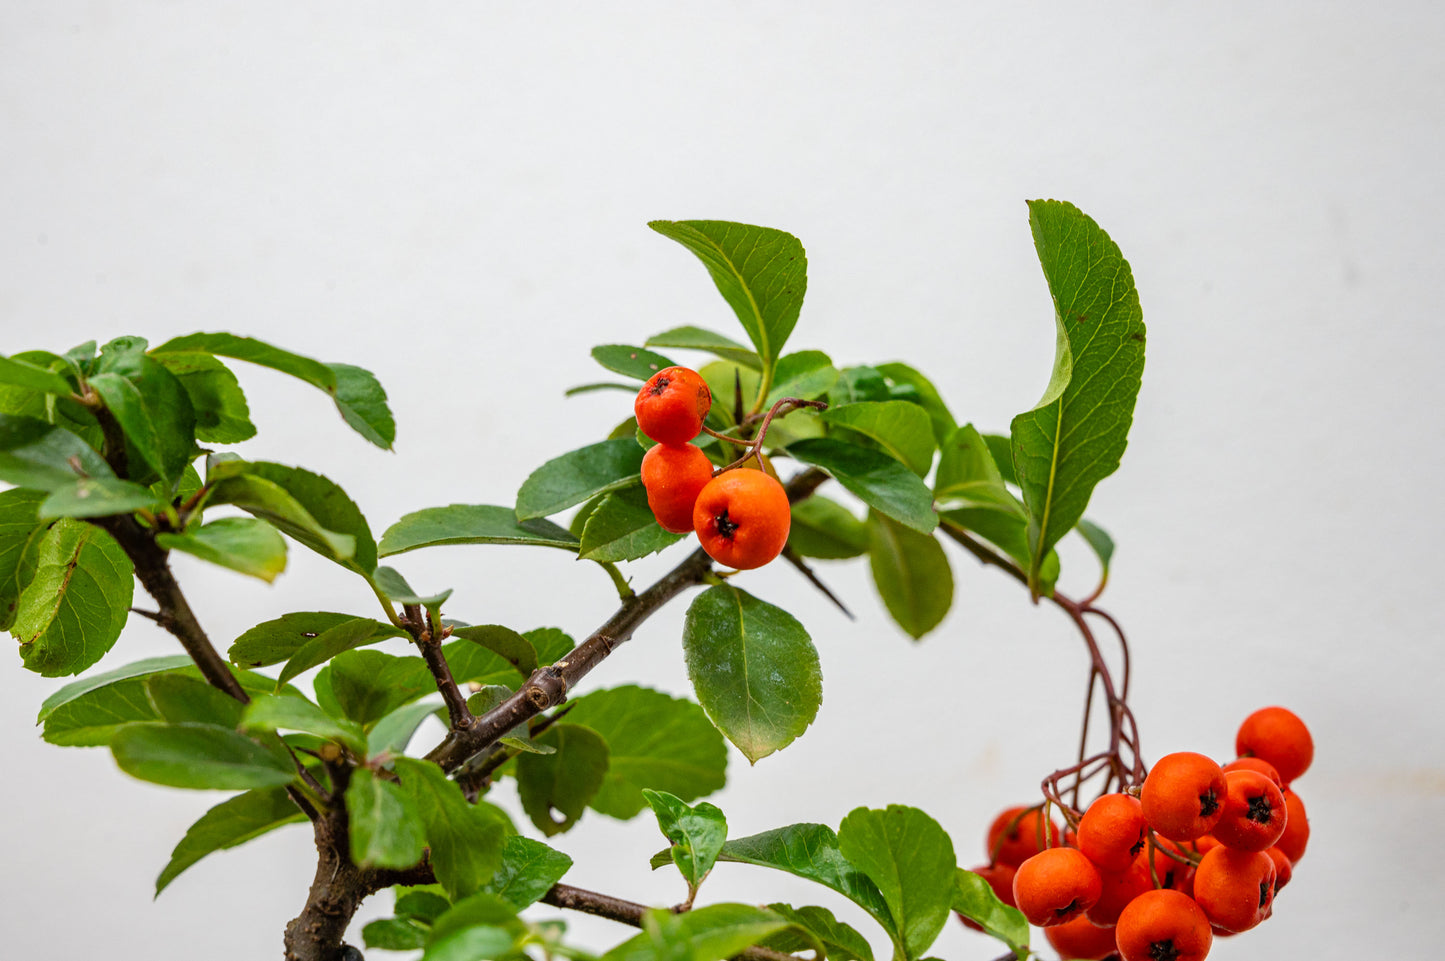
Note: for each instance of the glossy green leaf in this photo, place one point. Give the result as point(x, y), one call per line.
point(471, 944)
point(550, 643)
point(345, 636)
point(384, 827)
point(394, 934)
point(910, 858)
point(424, 905)
point(927, 397)
point(19, 373)
point(807, 374)
point(1076, 434)
point(841, 941)
point(480, 909)
point(281, 713)
point(85, 685)
point(696, 338)
point(182, 698)
point(968, 477)
point(465, 839)
point(628, 361)
point(307, 506)
point(563, 782)
point(827, 530)
point(472, 662)
point(20, 534)
point(722, 379)
point(754, 669)
point(366, 686)
point(655, 741)
point(811, 852)
point(1001, 447)
point(91, 719)
point(762, 273)
point(569, 480)
point(973, 898)
point(272, 642)
point(877, 479)
point(599, 386)
point(1099, 542)
point(623, 528)
point(222, 414)
point(471, 524)
point(397, 590)
point(232, 822)
point(858, 385)
point(394, 731)
point(151, 407)
point(697, 834)
point(248, 545)
point(41, 456)
point(205, 756)
point(911, 573)
point(77, 601)
point(359, 398)
point(97, 497)
point(528, 871)
point(901, 428)
point(270, 502)
point(503, 641)
point(703, 934)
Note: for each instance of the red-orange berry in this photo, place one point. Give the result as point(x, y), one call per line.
point(1111, 833)
point(1000, 877)
point(1235, 888)
point(674, 476)
point(1183, 796)
point(1255, 764)
point(1056, 886)
point(671, 406)
point(1163, 925)
point(1254, 812)
point(1080, 940)
point(1279, 737)
point(1296, 828)
point(1018, 834)
point(1283, 869)
point(742, 519)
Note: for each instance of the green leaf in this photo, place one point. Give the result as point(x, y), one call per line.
point(471, 943)
point(281, 713)
point(1009, 533)
point(394, 934)
point(563, 781)
point(470, 524)
point(85, 685)
point(840, 940)
point(20, 536)
point(1001, 448)
point(754, 669)
point(697, 834)
point(97, 497)
point(623, 528)
point(343, 637)
point(421, 904)
point(222, 415)
point(807, 374)
point(76, 603)
point(472, 662)
point(927, 397)
point(41, 456)
point(880, 481)
point(393, 732)
point(272, 642)
point(93, 718)
point(151, 407)
point(968, 477)
point(366, 686)
point(696, 338)
point(703, 934)
point(232, 822)
point(910, 858)
point(811, 852)
point(859, 384)
point(396, 589)
point(762, 273)
point(503, 641)
point(528, 871)
point(1099, 542)
point(307, 506)
point(974, 899)
point(827, 530)
point(180, 698)
point(465, 839)
point(901, 428)
point(551, 643)
point(1076, 434)
point(21, 374)
point(654, 741)
point(359, 398)
point(245, 544)
point(569, 480)
point(911, 573)
point(385, 829)
point(630, 361)
point(204, 756)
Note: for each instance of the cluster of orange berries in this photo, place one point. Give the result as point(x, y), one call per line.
point(742, 517)
point(1199, 852)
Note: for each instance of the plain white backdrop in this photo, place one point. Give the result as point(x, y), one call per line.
point(454, 195)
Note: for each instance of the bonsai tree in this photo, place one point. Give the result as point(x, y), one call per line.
point(120, 456)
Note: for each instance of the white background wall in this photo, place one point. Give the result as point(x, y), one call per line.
point(455, 196)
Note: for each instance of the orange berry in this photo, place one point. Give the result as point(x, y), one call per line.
point(674, 476)
point(1235, 888)
point(1163, 926)
point(1000, 877)
point(1283, 869)
point(1018, 834)
point(1254, 812)
point(1111, 833)
point(671, 406)
point(1255, 764)
point(1279, 737)
point(1296, 828)
point(742, 519)
point(1183, 796)
point(1056, 886)
point(1080, 939)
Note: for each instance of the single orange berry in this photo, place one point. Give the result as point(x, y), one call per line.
point(1279, 737)
point(1283, 869)
point(1254, 812)
point(674, 476)
point(1111, 833)
point(671, 406)
point(1018, 834)
point(1081, 940)
point(1163, 925)
point(1255, 764)
point(1056, 886)
point(1296, 828)
point(1183, 796)
point(742, 519)
point(1235, 888)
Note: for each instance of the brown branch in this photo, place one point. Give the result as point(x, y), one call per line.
point(417, 624)
point(796, 559)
